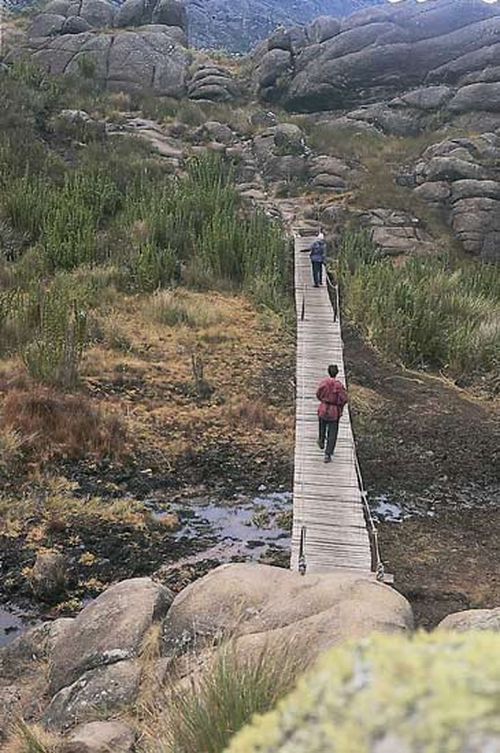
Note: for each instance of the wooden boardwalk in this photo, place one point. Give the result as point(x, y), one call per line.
point(328, 510)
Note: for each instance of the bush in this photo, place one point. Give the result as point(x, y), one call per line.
point(427, 311)
point(54, 356)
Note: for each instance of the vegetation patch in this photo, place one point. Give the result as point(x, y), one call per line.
point(221, 698)
point(426, 312)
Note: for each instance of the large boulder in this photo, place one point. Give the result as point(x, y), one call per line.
point(259, 603)
point(151, 58)
point(110, 630)
point(107, 689)
point(384, 52)
point(98, 14)
point(46, 25)
point(144, 12)
point(472, 619)
point(389, 694)
point(481, 96)
point(212, 82)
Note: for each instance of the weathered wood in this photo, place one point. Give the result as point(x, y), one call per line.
point(327, 498)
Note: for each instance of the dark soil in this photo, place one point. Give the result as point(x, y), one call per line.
point(434, 450)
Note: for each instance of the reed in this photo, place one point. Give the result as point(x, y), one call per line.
point(429, 312)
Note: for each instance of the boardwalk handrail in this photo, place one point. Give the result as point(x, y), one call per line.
point(377, 564)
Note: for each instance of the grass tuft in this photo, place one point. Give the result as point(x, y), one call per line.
point(204, 712)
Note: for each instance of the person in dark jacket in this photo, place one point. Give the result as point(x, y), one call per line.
point(332, 396)
point(318, 259)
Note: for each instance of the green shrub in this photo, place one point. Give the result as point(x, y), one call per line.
point(155, 267)
point(54, 355)
point(426, 311)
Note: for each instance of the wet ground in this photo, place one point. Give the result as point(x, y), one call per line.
point(207, 533)
point(13, 622)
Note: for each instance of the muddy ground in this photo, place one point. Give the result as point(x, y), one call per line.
point(433, 451)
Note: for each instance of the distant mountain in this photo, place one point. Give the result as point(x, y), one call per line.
point(238, 25)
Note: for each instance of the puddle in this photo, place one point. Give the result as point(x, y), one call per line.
point(385, 510)
point(241, 528)
point(12, 624)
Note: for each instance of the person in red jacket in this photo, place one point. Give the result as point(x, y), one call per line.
point(332, 396)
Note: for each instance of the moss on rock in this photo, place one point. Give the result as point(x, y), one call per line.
point(435, 693)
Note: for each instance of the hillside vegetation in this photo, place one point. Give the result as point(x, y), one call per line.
point(141, 314)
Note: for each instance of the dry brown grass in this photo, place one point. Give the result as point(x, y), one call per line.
point(30, 738)
point(252, 414)
point(50, 424)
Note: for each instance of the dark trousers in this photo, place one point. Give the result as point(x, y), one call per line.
point(317, 267)
point(328, 431)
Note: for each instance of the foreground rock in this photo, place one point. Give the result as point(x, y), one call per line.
point(389, 694)
point(110, 630)
point(23, 671)
point(259, 603)
point(472, 619)
point(102, 691)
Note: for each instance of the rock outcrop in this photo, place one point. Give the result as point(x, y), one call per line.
point(462, 176)
point(258, 604)
point(396, 233)
point(448, 52)
point(388, 695)
point(149, 55)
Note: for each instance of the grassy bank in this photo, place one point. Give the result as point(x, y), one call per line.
point(428, 312)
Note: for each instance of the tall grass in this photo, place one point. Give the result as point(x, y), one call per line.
point(223, 698)
point(109, 206)
point(428, 311)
